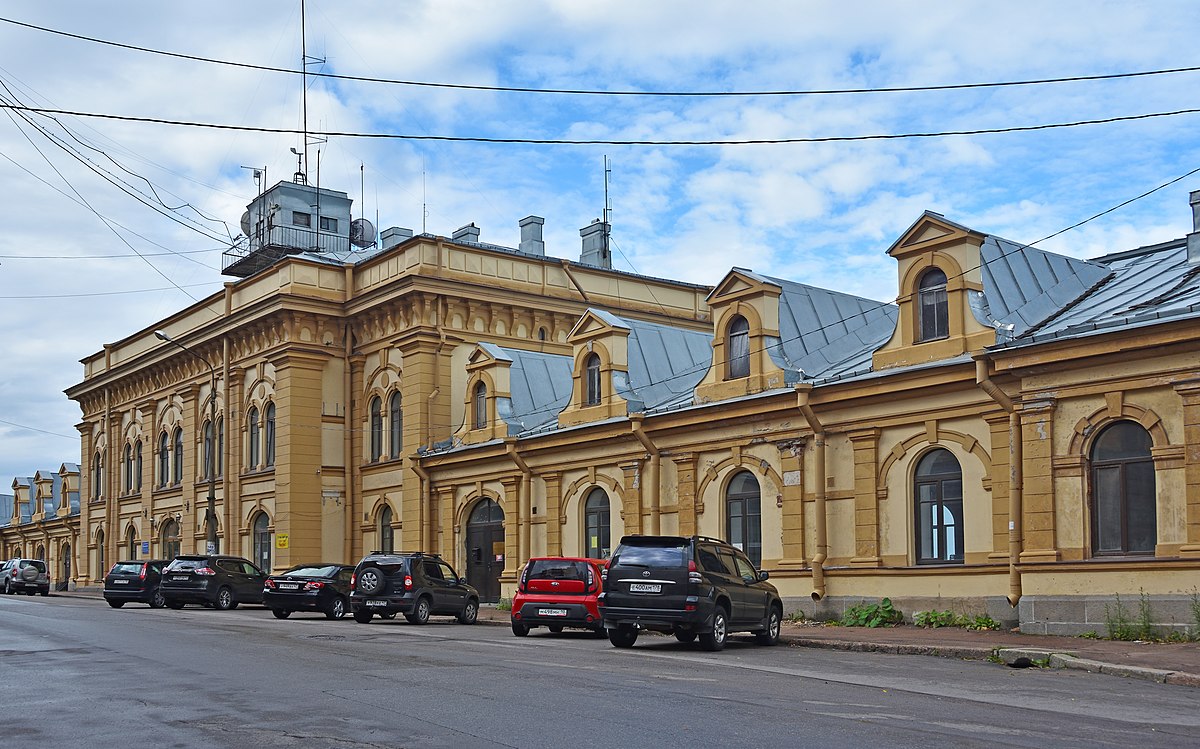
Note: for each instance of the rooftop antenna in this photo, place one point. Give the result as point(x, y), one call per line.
point(607, 207)
point(305, 61)
point(260, 177)
point(298, 177)
point(424, 204)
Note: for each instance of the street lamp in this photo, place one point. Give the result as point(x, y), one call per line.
point(210, 515)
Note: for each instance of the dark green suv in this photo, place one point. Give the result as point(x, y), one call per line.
point(689, 586)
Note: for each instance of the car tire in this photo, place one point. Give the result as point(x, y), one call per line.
point(623, 637)
point(470, 612)
point(280, 613)
point(116, 604)
point(770, 635)
point(44, 593)
point(362, 617)
point(7, 588)
point(156, 599)
point(715, 640)
point(174, 605)
point(685, 636)
point(224, 600)
point(420, 613)
point(370, 581)
point(520, 630)
point(336, 608)
point(555, 628)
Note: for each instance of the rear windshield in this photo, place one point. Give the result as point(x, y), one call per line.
point(37, 564)
point(311, 571)
point(186, 564)
point(557, 569)
point(128, 568)
point(652, 556)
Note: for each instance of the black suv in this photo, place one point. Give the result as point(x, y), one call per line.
point(135, 580)
point(212, 580)
point(687, 586)
point(414, 584)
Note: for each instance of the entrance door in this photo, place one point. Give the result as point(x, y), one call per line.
point(485, 549)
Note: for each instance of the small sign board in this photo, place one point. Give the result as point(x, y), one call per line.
point(281, 541)
point(145, 547)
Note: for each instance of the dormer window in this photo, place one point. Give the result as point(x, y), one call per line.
point(591, 396)
point(479, 406)
point(737, 348)
point(932, 307)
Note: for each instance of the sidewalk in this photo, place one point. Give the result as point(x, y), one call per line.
point(1167, 663)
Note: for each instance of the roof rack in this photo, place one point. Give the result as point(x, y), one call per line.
point(407, 553)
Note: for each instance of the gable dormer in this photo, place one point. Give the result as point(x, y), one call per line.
point(745, 311)
point(600, 354)
point(938, 265)
point(487, 396)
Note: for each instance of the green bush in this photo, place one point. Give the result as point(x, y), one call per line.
point(934, 619)
point(504, 604)
point(880, 614)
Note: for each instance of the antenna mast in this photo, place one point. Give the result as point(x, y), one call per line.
point(304, 84)
point(607, 208)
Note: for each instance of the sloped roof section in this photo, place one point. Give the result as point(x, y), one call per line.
point(6, 509)
point(665, 364)
point(540, 386)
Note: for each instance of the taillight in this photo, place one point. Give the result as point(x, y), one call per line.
point(142, 574)
point(408, 582)
point(353, 577)
point(604, 572)
point(269, 583)
point(591, 577)
point(204, 571)
point(524, 586)
point(314, 586)
point(693, 572)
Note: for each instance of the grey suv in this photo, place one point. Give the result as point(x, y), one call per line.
point(414, 584)
point(688, 586)
point(28, 575)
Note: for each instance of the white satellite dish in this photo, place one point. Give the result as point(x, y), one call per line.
point(246, 223)
point(362, 233)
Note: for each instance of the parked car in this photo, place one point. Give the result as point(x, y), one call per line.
point(557, 592)
point(212, 580)
point(414, 584)
point(323, 587)
point(688, 586)
point(135, 581)
point(28, 575)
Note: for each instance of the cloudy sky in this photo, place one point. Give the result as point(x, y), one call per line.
point(110, 225)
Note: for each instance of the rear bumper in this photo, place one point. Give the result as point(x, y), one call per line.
point(382, 604)
point(189, 595)
point(534, 614)
point(26, 585)
point(293, 601)
point(129, 595)
point(658, 620)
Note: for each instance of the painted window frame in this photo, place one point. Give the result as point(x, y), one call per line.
point(1142, 501)
point(737, 348)
point(933, 526)
point(932, 299)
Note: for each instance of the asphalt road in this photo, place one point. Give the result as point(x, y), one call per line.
point(75, 673)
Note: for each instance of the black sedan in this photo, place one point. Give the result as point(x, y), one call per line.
point(323, 587)
point(135, 581)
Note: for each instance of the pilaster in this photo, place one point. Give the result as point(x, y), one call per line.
point(1038, 521)
point(554, 517)
point(998, 427)
point(685, 476)
point(1189, 391)
point(791, 459)
point(865, 444)
point(632, 510)
point(512, 534)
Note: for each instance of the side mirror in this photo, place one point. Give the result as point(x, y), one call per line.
point(463, 581)
point(763, 575)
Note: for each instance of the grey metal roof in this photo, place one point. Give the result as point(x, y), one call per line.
point(6, 509)
point(540, 387)
point(665, 364)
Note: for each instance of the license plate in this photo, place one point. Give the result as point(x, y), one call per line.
point(645, 588)
point(290, 586)
point(375, 603)
point(552, 612)
point(180, 578)
point(120, 582)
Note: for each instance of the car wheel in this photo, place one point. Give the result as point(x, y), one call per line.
point(685, 636)
point(44, 593)
point(470, 612)
point(555, 628)
point(520, 630)
point(370, 581)
point(281, 613)
point(623, 637)
point(362, 617)
point(156, 599)
point(7, 588)
point(174, 605)
point(770, 635)
point(116, 604)
point(715, 640)
point(420, 614)
point(336, 608)
point(224, 600)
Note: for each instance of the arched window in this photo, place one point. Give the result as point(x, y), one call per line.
point(939, 508)
point(269, 435)
point(387, 534)
point(177, 473)
point(164, 459)
point(131, 544)
point(395, 425)
point(479, 406)
point(932, 307)
point(1124, 517)
point(541, 334)
point(170, 539)
point(137, 465)
point(101, 570)
point(591, 369)
point(220, 446)
point(127, 484)
point(97, 475)
point(262, 541)
point(376, 416)
point(252, 438)
point(737, 349)
point(743, 515)
point(207, 432)
point(597, 524)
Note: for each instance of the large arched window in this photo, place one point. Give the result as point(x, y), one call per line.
point(591, 386)
point(479, 406)
point(252, 438)
point(932, 307)
point(737, 349)
point(137, 465)
point(170, 539)
point(939, 508)
point(376, 418)
point(131, 544)
point(387, 534)
point(97, 476)
point(177, 472)
point(743, 515)
point(262, 541)
point(207, 432)
point(220, 446)
point(269, 436)
point(395, 425)
point(597, 524)
point(164, 459)
point(101, 570)
point(127, 482)
point(1124, 518)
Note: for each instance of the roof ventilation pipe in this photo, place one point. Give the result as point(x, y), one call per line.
point(468, 233)
point(1193, 239)
point(531, 235)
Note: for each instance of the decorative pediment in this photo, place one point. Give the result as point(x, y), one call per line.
point(740, 283)
point(485, 355)
point(929, 231)
point(595, 324)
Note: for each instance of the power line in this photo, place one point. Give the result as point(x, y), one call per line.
point(41, 431)
point(598, 92)
point(175, 287)
point(570, 142)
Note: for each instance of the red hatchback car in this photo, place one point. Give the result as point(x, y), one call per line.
point(558, 592)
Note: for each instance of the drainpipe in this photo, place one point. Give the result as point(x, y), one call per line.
point(803, 390)
point(523, 501)
point(566, 266)
point(348, 512)
point(650, 486)
point(423, 475)
point(1015, 476)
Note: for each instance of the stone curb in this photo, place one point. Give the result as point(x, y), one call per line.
point(961, 652)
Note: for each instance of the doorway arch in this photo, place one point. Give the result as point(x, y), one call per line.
point(485, 549)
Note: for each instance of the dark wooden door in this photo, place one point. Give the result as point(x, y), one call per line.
point(485, 549)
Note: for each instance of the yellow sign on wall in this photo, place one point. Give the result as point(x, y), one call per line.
point(281, 541)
